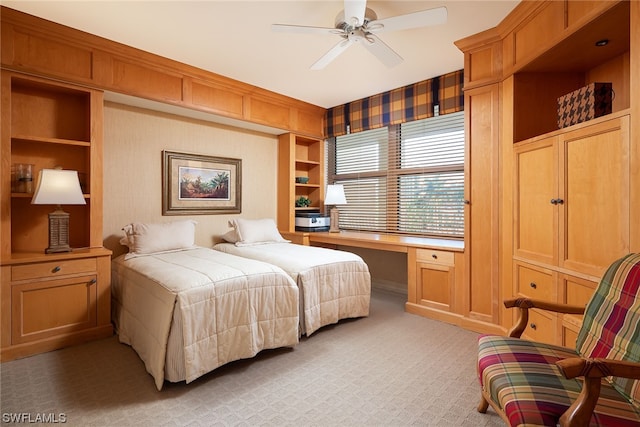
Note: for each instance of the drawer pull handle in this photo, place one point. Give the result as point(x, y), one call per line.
point(533, 285)
point(434, 256)
point(533, 326)
point(56, 269)
point(92, 281)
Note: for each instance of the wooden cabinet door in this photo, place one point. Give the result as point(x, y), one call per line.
point(481, 192)
point(594, 189)
point(535, 216)
point(49, 308)
point(435, 279)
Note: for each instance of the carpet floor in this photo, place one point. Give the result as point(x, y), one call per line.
point(389, 369)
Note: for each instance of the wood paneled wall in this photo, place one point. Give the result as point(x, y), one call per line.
point(37, 46)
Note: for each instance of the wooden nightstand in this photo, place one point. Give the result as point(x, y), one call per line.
point(53, 301)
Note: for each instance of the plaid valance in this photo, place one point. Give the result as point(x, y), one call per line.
point(411, 102)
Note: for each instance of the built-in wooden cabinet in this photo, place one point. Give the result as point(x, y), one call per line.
point(566, 198)
point(571, 217)
point(51, 300)
point(435, 284)
point(571, 198)
point(299, 157)
point(481, 195)
point(54, 301)
point(571, 187)
point(435, 279)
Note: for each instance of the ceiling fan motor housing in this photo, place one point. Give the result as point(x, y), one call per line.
point(369, 15)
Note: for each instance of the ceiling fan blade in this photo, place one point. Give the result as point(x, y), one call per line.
point(383, 52)
point(332, 54)
point(354, 12)
point(286, 28)
point(424, 18)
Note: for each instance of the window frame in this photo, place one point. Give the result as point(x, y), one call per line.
point(391, 177)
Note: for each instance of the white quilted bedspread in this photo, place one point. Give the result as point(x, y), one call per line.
point(333, 284)
point(230, 308)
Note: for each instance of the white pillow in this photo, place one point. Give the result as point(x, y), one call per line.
point(144, 238)
point(255, 232)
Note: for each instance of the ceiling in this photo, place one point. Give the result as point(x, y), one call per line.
point(234, 39)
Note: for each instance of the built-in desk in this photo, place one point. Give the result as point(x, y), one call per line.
point(435, 267)
point(385, 242)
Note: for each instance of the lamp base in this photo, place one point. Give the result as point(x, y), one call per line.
point(334, 218)
point(58, 232)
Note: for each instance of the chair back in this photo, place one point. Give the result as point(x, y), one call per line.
point(611, 325)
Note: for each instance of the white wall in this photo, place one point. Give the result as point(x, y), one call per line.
point(134, 139)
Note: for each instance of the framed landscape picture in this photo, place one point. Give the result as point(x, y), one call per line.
point(195, 184)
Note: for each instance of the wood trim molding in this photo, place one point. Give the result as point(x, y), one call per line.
point(44, 48)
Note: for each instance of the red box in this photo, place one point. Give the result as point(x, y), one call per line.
point(586, 103)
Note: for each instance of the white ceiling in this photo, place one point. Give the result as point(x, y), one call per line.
point(234, 39)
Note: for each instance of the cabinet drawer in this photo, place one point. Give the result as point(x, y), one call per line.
point(578, 291)
point(53, 269)
point(570, 328)
point(434, 257)
point(542, 327)
point(535, 284)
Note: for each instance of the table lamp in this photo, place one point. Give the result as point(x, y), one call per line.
point(58, 187)
point(334, 196)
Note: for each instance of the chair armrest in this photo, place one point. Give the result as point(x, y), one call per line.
point(524, 304)
point(598, 368)
point(593, 370)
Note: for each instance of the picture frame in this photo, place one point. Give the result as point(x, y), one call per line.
point(196, 184)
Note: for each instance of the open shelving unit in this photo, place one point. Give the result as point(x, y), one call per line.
point(51, 300)
point(299, 156)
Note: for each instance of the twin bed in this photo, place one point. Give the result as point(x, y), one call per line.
point(187, 310)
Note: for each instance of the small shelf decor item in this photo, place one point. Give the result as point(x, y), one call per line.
point(586, 103)
point(303, 202)
point(23, 178)
point(335, 196)
point(302, 179)
point(195, 184)
point(58, 187)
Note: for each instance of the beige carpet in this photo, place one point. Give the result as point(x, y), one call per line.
point(390, 369)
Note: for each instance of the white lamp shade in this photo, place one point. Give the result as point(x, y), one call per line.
point(335, 195)
point(58, 187)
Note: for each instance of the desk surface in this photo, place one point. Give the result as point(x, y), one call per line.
point(389, 242)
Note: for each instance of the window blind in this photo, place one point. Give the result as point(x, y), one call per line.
point(406, 178)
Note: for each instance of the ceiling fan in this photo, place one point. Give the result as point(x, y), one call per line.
point(359, 24)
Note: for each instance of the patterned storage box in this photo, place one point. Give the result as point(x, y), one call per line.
point(589, 102)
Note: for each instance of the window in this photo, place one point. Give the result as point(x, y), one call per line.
point(406, 178)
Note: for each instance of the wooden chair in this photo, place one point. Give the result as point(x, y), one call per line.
point(531, 383)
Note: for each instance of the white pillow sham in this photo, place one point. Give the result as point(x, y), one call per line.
point(248, 232)
point(142, 238)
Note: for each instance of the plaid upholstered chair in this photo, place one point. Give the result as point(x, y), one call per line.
point(530, 383)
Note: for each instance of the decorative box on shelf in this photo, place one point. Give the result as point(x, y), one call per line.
point(586, 103)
